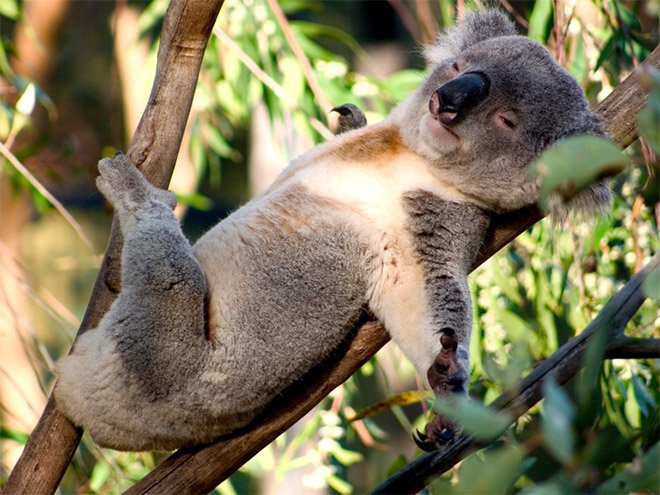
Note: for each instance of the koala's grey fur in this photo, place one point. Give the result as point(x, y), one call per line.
point(387, 218)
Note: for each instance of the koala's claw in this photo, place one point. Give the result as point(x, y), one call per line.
point(438, 432)
point(423, 442)
point(350, 117)
point(124, 185)
point(446, 376)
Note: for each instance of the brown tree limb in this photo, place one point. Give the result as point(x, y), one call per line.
point(187, 27)
point(563, 365)
point(202, 468)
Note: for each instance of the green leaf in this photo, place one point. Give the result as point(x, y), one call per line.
point(9, 8)
point(476, 419)
point(401, 399)
point(339, 485)
point(539, 21)
point(642, 474)
point(100, 476)
point(651, 284)
point(573, 163)
point(493, 475)
point(649, 118)
point(344, 456)
point(631, 408)
point(17, 436)
point(196, 200)
point(557, 416)
point(549, 488)
point(593, 361)
point(644, 398)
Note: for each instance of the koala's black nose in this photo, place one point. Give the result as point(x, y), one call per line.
point(454, 99)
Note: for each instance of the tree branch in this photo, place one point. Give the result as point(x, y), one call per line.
point(186, 29)
point(563, 364)
point(202, 468)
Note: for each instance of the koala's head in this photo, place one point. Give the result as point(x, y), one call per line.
point(491, 104)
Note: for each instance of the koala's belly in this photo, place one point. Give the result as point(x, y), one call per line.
point(286, 280)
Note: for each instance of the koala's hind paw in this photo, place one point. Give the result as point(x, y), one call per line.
point(125, 187)
point(446, 376)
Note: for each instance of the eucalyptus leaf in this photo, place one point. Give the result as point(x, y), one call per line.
point(339, 485)
point(593, 362)
point(651, 284)
point(644, 397)
point(401, 399)
point(476, 419)
point(9, 8)
point(344, 456)
point(16, 436)
point(648, 121)
point(642, 474)
point(573, 163)
point(100, 476)
point(631, 408)
point(495, 474)
point(558, 415)
point(539, 21)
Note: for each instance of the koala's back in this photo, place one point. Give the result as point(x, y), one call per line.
point(285, 273)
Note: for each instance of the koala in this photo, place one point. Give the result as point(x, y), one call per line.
point(385, 219)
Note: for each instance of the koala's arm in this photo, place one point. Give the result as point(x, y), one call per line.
point(431, 299)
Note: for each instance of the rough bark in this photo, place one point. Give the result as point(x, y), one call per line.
point(202, 468)
point(154, 148)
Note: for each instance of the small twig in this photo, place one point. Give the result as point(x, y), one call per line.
point(632, 348)
point(406, 18)
point(427, 20)
point(20, 168)
point(519, 19)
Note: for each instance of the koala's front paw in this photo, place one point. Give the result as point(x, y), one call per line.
point(447, 375)
point(125, 187)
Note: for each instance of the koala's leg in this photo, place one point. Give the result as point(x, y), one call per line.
point(162, 281)
point(446, 237)
point(125, 381)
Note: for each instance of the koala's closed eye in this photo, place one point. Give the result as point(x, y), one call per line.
point(506, 120)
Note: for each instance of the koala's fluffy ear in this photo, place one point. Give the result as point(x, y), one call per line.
point(595, 200)
point(475, 27)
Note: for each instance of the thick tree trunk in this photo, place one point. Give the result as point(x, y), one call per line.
point(186, 30)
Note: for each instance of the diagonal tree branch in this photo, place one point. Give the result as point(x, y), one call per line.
point(187, 27)
point(563, 364)
point(202, 468)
